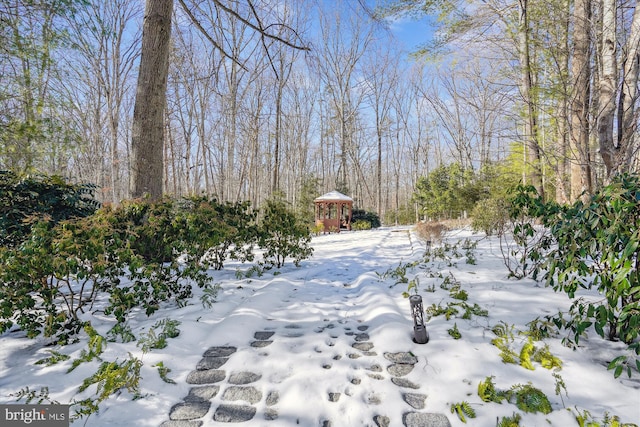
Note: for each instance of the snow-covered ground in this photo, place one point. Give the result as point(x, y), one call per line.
point(309, 373)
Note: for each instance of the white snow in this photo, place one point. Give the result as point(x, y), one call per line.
point(315, 312)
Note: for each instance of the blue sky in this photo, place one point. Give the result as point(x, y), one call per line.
point(411, 32)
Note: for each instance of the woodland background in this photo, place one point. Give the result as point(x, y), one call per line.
point(306, 96)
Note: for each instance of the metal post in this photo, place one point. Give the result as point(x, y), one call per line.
point(420, 334)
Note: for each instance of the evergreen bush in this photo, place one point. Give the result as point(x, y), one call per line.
point(360, 215)
point(282, 235)
point(26, 200)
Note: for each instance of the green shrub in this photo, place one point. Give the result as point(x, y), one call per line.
point(526, 251)
point(212, 231)
point(606, 259)
point(27, 200)
point(361, 215)
point(529, 398)
point(48, 281)
point(282, 235)
point(360, 225)
point(490, 216)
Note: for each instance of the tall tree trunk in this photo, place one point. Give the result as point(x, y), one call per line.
point(579, 106)
point(531, 123)
point(629, 96)
point(618, 153)
point(608, 84)
point(147, 137)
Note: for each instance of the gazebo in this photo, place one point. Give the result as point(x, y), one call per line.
point(334, 211)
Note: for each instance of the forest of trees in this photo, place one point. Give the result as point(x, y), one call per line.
point(307, 96)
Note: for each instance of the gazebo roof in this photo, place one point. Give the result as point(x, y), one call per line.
point(334, 196)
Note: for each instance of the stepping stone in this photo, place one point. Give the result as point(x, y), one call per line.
point(334, 397)
point(381, 421)
point(399, 369)
point(375, 368)
point(375, 376)
point(337, 357)
point(326, 365)
point(363, 346)
point(263, 335)
point(240, 378)
point(234, 413)
point(294, 334)
point(198, 394)
point(181, 424)
point(272, 398)
point(369, 353)
point(349, 334)
point(419, 419)
point(374, 399)
point(402, 357)
point(326, 423)
point(270, 414)
point(293, 326)
point(363, 327)
point(211, 362)
point(206, 377)
point(362, 337)
point(220, 352)
point(247, 394)
point(415, 400)
point(356, 381)
point(260, 344)
point(354, 356)
point(189, 410)
point(403, 382)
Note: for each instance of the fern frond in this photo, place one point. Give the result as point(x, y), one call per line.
point(525, 355)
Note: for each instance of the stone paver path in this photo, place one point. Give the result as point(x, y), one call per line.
point(234, 397)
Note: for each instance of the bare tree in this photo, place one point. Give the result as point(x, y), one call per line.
point(579, 106)
point(101, 66)
point(381, 81)
point(618, 144)
point(345, 39)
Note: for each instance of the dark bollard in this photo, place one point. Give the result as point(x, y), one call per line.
point(420, 334)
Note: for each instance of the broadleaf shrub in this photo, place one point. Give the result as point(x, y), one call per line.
point(607, 258)
point(490, 216)
point(27, 200)
point(360, 215)
point(282, 235)
point(592, 244)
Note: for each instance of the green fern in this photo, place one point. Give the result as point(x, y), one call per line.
point(504, 339)
point(512, 421)
point(526, 352)
point(121, 330)
point(529, 399)
point(96, 346)
point(153, 340)
point(463, 410)
point(488, 393)
point(32, 395)
point(113, 376)
point(585, 419)
point(53, 359)
point(454, 332)
point(546, 359)
point(163, 371)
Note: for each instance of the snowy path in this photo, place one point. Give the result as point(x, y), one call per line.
point(310, 348)
point(330, 344)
